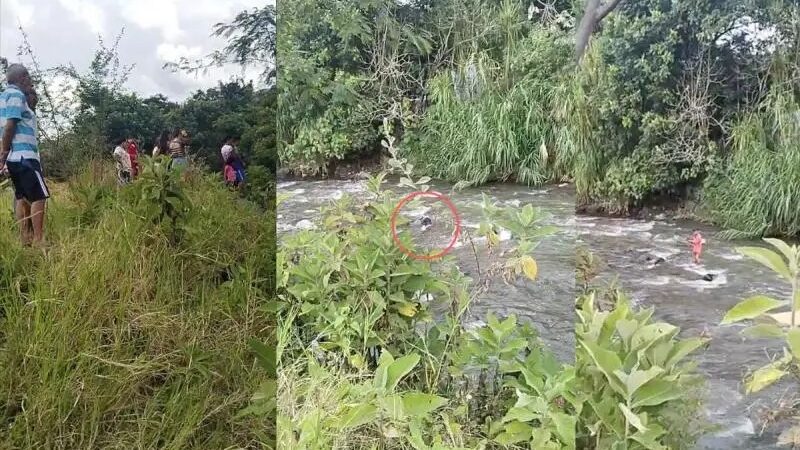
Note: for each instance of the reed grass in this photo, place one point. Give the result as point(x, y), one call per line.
point(757, 192)
point(116, 339)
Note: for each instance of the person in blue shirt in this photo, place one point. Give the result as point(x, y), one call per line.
point(19, 152)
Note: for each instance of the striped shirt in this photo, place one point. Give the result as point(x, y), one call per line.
point(14, 106)
point(176, 148)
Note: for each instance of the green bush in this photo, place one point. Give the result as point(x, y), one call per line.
point(117, 337)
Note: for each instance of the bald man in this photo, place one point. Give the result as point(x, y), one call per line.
point(20, 153)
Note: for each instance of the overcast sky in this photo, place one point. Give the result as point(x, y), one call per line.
point(156, 32)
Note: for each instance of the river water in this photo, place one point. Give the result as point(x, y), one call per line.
point(675, 287)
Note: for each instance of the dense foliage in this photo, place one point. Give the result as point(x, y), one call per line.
point(481, 91)
point(373, 349)
point(121, 335)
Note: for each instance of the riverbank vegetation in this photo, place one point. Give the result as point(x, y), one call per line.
point(374, 348)
point(671, 101)
point(775, 319)
point(132, 329)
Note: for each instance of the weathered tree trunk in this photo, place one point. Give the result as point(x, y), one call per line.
point(592, 15)
point(586, 28)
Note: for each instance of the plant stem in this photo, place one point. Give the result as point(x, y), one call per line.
point(794, 299)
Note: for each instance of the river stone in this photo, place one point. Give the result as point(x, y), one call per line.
point(305, 224)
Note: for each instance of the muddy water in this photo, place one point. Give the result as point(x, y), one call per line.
point(675, 287)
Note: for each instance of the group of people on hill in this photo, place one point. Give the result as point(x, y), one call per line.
point(126, 154)
point(174, 145)
point(20, 160)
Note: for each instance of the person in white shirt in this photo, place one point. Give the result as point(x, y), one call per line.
point(124, 167)
point(227, 150)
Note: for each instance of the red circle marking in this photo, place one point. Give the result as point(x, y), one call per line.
point(444, 200)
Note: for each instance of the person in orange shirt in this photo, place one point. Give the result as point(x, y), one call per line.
point(696, 242)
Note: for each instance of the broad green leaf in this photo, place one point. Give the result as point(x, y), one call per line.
point(520, 414)
point(607, 361)
point(644, 337)
point(751, 308)
point(358, 415)
point(565, 427)
point(764, 377)
point(633, 419)
point(529, 267)
point(407, 309)
point(763, 330)
point(793, 338)
point(682, 349)
point(655, 393)
point(626, 328)
point(638, 378)
point(782, 246)
point(768, 258)
point(393, 407)
point(514, 432)
point(649, 439)
point(381, 373)
point(400, 368)
point(266, 356)
point(419, 404)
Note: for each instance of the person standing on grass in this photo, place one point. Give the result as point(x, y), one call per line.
point(237, 162)
point(19, 152)
point(161, 145)
point(32, 99)
point(123, 159)
point(133, 154)
point(177, 149)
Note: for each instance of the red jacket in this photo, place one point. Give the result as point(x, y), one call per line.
point(133, 153)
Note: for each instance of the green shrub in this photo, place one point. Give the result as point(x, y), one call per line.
point(117, 338)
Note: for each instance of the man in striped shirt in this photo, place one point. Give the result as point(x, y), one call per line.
point(20, 153)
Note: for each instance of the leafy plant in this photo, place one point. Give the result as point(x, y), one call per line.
point(161, 195)
point(785, 262)
point(630, 374)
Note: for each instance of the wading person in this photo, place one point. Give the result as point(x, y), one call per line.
point(19, 151)
point(696, 242)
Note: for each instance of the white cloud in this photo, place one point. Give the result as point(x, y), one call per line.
point(172, 52)
point(19, 12)
point(88, 13)
point(160, 15)
point(157, 31)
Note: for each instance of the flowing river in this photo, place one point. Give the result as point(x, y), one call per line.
point(674, 287)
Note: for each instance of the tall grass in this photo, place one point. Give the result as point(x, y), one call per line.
point(577, 134)
point(758, 191)
point(115, 338)
point(501, 126)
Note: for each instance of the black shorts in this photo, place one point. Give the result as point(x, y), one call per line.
point(28, 180)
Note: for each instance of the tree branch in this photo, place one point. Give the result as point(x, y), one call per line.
point(603, 10)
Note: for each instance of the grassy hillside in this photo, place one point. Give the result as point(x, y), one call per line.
point(121, 336)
